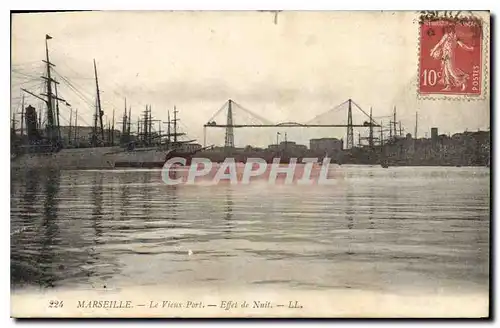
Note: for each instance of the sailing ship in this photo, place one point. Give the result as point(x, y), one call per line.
point(43, 147)
point(151, 150)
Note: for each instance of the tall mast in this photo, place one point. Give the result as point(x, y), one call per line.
point(70, 122)
point(138, 128)
point(168, 128)
point(175, 125)
point(99, 110)
point(76, 124)
point(145, 127)
point(150, 125)
point(40, 121)
point(159, 131)
point(416, 125)
point(381, 133)
point(94, 128)
point(52, 117)
point(124, 123)
point(370, 138)
point(109, 131)
point(58, 126)
point(390, 129)
point(22, 117)
point(394, 122)
point(129, 122)
point(50, 114)
point(13, 126)
point(113, 129)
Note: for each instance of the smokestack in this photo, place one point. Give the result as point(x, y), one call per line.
point(31, 124)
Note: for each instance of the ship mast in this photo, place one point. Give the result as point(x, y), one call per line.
point(52, 126)
point(13, 126)
point(22, 118)
point(57, 114)
point(129, 122)
point(94, 128)
point(50, 113)
point(70, 122)
point(381, 134)
point(394, 122)
point(145, 126)
point(416, 125)
point(138, 128)
point(124, 124)
point(150, 125)
point(175, 125)
point(76, 126)
point(370, 138)
point(168, 129)
point(99, 111)
point(113, 130)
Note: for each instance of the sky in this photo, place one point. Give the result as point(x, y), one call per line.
point(292, 69)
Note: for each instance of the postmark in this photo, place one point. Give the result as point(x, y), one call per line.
point(452, 56)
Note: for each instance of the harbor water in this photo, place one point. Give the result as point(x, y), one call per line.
point(397, 230)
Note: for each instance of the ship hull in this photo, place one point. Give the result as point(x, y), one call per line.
point(149, 158)
point(66, 159)
point(88, 158)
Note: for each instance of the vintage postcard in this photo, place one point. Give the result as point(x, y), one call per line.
point(270, 164)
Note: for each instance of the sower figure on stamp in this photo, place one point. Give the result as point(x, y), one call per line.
point(451, 75)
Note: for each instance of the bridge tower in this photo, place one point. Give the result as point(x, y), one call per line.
point(370, 138)
point(229, 141)
point(350, 131)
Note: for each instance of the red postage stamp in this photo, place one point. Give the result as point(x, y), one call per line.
point(451, 56)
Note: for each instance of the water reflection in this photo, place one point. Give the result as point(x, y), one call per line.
point(124, 198)
point(349, 209)
point(97, 195)
point(146, 194)
point(91, 228)
point(36, 236)
point(91, 267)
point(371, 204)
point(23, 264)
point(228, 213)
point(50, 232)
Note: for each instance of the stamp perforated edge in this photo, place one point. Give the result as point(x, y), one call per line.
point(485, 67)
